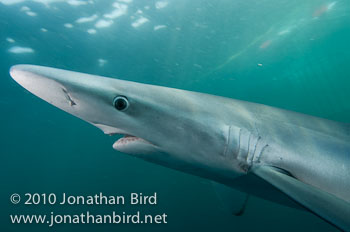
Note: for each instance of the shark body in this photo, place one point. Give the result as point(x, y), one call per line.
point(256, 149)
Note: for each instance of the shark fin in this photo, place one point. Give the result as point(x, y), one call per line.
point(327, 206)
point(232, 200)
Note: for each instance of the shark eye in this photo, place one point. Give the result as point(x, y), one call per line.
point(121, 103)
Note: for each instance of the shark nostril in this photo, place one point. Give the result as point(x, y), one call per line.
point(121, 103)
point(68, 97)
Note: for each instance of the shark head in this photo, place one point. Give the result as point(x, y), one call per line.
point(175, 128)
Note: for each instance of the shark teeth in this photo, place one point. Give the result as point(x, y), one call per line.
point(133, 145)
point(127, 139)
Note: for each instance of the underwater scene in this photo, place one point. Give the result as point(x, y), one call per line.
point(293, 55)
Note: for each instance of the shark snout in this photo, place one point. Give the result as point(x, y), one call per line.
point(43, 85)
point(85, 96)
point(20, 75)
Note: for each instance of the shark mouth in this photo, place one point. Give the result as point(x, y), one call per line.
point(134, 145)
point(127, 139)
point(128, 143)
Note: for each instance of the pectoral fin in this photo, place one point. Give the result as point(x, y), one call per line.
point(327, 206)
point(232, 200)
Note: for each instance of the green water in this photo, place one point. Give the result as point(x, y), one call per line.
point(289, 54)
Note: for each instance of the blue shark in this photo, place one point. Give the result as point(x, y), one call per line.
point(245, 148)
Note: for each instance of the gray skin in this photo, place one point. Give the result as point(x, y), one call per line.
point(217, 138)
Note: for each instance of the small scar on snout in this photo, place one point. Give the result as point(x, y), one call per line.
point(68, 97)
